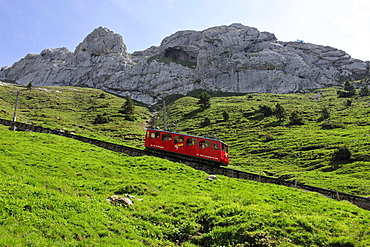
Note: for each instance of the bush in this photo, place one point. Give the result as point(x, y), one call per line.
point(348, 102)
point(206, 122)
point(101, 119)
point(325, 114)
point(364, 91)
point(264, 110)
point(342, 153)
point(279, 112)
point(130, 117)
point(295, 118)
point(225, 115)
point(349, 90)
point(327, 124)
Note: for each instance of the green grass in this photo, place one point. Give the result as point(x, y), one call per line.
point(74, 109)
point(261, 145)
point(53, 192)
point(265, 145)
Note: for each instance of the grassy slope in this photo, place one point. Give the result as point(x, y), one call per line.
point(75, 109)
point(53, 193)
point(264, 145)
point(257, 144)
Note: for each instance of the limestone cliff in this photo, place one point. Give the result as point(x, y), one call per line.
point(233, 58)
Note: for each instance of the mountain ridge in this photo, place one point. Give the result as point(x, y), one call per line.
point(233, 58)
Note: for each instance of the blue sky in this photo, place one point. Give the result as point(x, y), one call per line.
point(29, 26)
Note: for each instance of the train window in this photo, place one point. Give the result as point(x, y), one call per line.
point(225, 148)
point(166, 137)
point(154, 135)
point(204, 144)
point(178, 139)
point(191, 141)
point(215, 146)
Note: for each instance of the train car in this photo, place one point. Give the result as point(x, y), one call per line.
point(195, 146)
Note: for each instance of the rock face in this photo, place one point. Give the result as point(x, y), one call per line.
point(233, 58)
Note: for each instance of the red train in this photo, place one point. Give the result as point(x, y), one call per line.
point(195, 146)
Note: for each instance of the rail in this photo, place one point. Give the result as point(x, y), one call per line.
point(362, 202)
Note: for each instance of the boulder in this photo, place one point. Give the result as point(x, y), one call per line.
point(120, 200)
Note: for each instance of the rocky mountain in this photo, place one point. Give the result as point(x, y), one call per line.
point(234, 58)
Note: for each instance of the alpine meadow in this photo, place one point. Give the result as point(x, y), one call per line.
point(54, 189)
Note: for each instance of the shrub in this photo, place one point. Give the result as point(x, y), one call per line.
point(264, 110)
point(364, 91)
point(349, 90)
point(206, 122)
point(101, 119)
point(325, 114)
point(348, 102)
point(295, 118)
point(130, 117)
point(327, 124)
point(225, 115)
point(342, 153)
point(269, 137)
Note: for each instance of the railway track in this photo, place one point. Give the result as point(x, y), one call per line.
point(209, 167)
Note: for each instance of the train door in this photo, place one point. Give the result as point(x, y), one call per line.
point(167, 142)
point(192, 147)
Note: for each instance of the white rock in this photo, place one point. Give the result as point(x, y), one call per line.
point(232, 58)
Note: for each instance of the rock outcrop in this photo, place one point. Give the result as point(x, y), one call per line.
point(234, 58)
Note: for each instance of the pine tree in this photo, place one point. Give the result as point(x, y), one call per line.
point(364, 91)
point(264, 110)
point(225, 115)
point(128, 107)
point(29, 86)
point(279, 112)
point(325, 114)
point(204, 100)
point(349, 88)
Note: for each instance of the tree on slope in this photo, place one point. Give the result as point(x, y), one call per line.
point(279, 112)
point(128, 107)
point(204, 100)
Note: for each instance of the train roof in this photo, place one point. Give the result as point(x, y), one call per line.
point(202, 137)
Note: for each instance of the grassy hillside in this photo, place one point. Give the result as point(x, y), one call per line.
point(53, 192)
point(258, 143)
point(75, 110)
point(274, 147)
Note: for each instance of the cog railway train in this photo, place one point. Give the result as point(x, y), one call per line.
point(195, 146)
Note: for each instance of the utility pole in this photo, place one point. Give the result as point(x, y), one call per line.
point(164, 115)
point(16, 106)
point(15, 109)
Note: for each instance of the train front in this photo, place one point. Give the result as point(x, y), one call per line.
point(224, 153)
